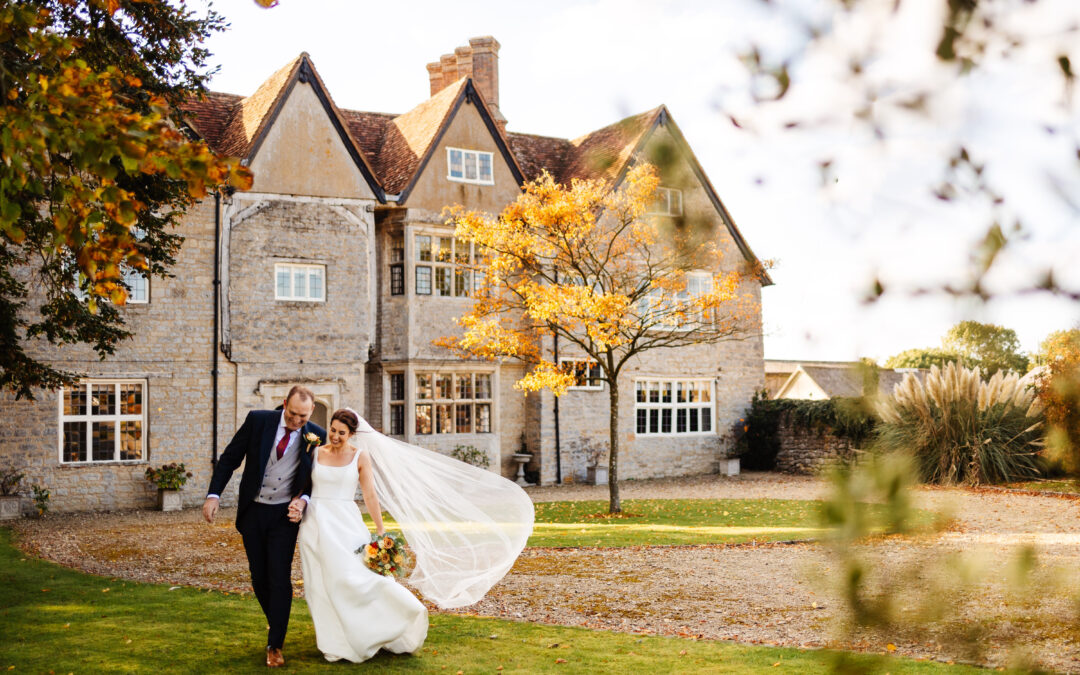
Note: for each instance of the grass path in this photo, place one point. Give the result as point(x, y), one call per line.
point(55, 619)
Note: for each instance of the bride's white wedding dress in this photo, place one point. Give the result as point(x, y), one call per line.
point(356, 611)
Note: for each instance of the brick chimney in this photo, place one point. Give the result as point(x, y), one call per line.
point(478, 60)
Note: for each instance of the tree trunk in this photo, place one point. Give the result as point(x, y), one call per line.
point(615, 505)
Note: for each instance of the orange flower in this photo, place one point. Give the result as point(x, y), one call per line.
point(387, 543)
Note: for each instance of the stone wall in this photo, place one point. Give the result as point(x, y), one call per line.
point(808, 451)
point(172, 353)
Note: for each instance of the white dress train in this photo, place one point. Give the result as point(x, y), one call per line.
point(355, 611)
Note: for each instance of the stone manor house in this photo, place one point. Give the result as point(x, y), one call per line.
point(337, 271)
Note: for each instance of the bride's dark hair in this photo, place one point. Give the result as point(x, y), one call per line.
point(346, 417)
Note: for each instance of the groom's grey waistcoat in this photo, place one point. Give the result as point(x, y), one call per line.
point(277, 480)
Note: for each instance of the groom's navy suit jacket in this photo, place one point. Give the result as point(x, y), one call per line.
point(252, 442)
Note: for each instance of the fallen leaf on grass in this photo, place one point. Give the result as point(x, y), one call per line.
point(560, 660)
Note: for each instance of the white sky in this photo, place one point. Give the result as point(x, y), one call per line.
point(572, 67)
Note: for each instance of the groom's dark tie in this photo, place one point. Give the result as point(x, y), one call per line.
point(283, 443)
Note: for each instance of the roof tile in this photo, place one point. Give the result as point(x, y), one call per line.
point(408, 137)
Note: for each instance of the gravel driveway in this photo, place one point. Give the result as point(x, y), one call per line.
point(766, 593)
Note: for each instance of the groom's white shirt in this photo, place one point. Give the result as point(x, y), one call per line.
point(293, 442)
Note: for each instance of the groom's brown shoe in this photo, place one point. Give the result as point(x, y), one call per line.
point(274, 659)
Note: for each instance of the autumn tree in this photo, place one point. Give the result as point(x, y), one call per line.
point(96, 169)
point(584, 263)
point(1058, 387)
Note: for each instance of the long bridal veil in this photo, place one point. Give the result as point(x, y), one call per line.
point(465, 525)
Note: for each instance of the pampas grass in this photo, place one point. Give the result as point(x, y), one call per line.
point(962, 428)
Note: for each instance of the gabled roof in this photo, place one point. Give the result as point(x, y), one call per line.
point(537, 153)
point(250, 119)
point(410, 139)
point(841, 379)
point(393, 150)
point(603, 154)
point(606, 154)
point(672, 128)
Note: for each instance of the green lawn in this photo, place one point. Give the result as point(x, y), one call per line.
point(676, 521)
point(53, 619)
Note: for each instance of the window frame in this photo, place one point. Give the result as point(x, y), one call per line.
point(674, 405)
point(396, 394)
point(476, 164)
point(589, 361)
point(295, 267)
point(646, 303)
point(88, 419)
point(128, 275)
point(455, 402)
point(459, 274)
point(668, 210)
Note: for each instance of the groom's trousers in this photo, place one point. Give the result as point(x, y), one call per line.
point(270, 542)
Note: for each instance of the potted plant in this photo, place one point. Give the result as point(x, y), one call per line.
point(596, 468)
point(169, 479)
point(10, 501)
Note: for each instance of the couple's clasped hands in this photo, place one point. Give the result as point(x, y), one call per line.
point(296, 509)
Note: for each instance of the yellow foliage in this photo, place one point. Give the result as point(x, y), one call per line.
point(586, 263)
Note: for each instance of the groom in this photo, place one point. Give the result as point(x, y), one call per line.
point(274, 490)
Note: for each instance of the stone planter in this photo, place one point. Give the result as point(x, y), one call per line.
point(729, 466)
point(169, 500)
point(10, 507)
point(596, 475)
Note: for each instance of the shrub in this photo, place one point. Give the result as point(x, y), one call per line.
point(169, 476)
point(471, 455)
point(963, 429)
point(41, 499)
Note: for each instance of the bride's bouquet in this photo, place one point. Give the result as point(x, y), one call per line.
point(385, 555)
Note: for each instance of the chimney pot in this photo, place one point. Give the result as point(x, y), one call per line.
point(449, 69)
point(435, 76)
point(478, 60)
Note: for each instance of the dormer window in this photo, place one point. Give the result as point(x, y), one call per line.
point(470, 166)
point(668, 202)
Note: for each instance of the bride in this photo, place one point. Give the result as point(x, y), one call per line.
point(465, 526)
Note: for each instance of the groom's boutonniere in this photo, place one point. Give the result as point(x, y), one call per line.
point(312, 439)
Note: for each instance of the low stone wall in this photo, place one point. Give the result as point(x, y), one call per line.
point(808, 451)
